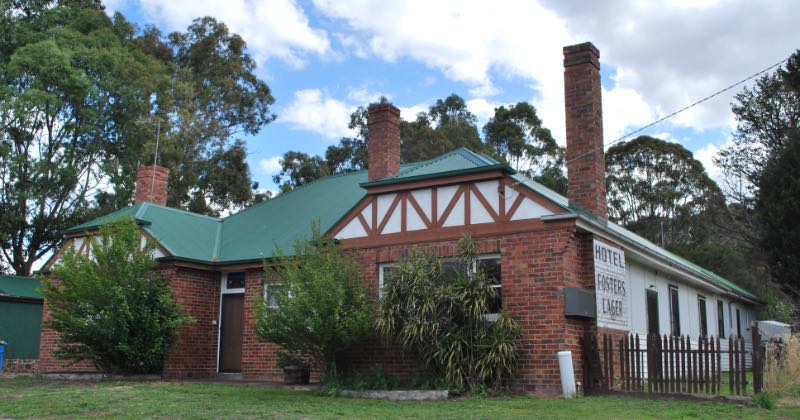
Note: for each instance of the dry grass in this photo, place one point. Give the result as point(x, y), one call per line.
point(782, 365)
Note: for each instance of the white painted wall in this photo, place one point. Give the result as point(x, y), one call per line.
point(642, 278)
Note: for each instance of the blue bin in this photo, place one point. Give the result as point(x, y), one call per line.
point(2, 350)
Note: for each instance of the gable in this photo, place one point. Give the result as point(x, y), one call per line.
point(481, 202)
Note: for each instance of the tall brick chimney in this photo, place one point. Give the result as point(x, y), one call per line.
point(383, 144)
point(586, 166)
point(151, 184)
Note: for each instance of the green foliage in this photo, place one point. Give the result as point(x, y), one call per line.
point(111, 308)
point(446, 126)
point(764, 400)
point(779, 211)
point(207, 93)
point(298, 168)
point(317, 305)
point(516, 135)
point(442, 315)
point(70, 84)
point(766, 114)
point(659, 190)
point(85, 96)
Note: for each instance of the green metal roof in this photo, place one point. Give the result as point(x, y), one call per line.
point(458, 162)
point(16, 286)
point(259, 231)
point(183, 234)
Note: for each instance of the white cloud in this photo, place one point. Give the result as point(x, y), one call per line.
point(666, 55)
point(409, 113)
point(271, 165)
point(362, 95)
point(315, 110)
point(482, 109)
point(272, 28)
point(468, 42)
point(706, 156)
point(624, 110)
point(673, 54)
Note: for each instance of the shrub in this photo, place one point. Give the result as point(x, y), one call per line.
point(442, 315)
point(764, 400)
point(782, 365)
point(317, 305)
point(111, 308)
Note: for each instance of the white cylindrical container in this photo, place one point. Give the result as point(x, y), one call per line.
point(567, 374)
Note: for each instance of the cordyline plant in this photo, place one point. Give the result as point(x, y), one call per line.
point(443, 316)
point(318, 305)
point(110, 307)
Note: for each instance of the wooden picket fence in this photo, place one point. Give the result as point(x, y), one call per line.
point(664, 364)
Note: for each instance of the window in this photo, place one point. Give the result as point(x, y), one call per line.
point(674, 311)
point(738, 324)
point(701, 309)
point(651, 301)
point(720, 319)
point(234, 281)
point(490, 264)
point(271, 289)
point(491, 267)
point(383, 271)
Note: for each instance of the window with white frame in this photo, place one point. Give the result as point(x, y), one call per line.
point(702, 316)
point(489, 264)
point(233, 282)
point(271, 290)
point(674, 311)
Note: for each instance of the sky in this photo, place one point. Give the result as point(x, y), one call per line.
point(324, 58)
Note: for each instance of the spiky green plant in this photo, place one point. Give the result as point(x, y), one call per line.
point(443, 317)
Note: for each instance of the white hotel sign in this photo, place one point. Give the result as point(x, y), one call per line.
point(611, 287)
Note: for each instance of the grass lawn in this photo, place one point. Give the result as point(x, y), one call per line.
point(29, 397)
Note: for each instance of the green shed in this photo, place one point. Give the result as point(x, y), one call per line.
point(20, 316)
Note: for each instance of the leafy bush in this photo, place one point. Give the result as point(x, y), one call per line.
point(764, 400)
point(111, 308)
point(442, 315)
point(317, 305)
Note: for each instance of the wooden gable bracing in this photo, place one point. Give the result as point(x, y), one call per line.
point(484, 203)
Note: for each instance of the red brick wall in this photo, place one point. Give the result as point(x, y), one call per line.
point(586, 165)
point(259, 357)
point(536, 266)
point(151, 184)
point(194, 352)
point(48, 344)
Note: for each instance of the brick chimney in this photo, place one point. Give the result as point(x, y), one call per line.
point(383, 144)
point(586, 166)
point(151, 184)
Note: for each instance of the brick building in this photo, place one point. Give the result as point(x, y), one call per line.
point(538, 245)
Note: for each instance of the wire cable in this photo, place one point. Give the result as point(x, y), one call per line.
point(682, 109)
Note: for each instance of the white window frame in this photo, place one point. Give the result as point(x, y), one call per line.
point(490, 317)
point(265, 292)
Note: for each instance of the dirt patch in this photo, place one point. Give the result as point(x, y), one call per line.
point(793, 401)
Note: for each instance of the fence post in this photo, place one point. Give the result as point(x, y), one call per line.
point(758, 362)
point(743, 366)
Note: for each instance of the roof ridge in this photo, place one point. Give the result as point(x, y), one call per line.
point(424, 163)
point(173, 209)
point(301, 187)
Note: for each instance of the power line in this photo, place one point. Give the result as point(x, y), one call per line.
point(684, 108)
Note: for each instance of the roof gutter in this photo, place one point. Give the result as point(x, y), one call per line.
point(596, 227)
